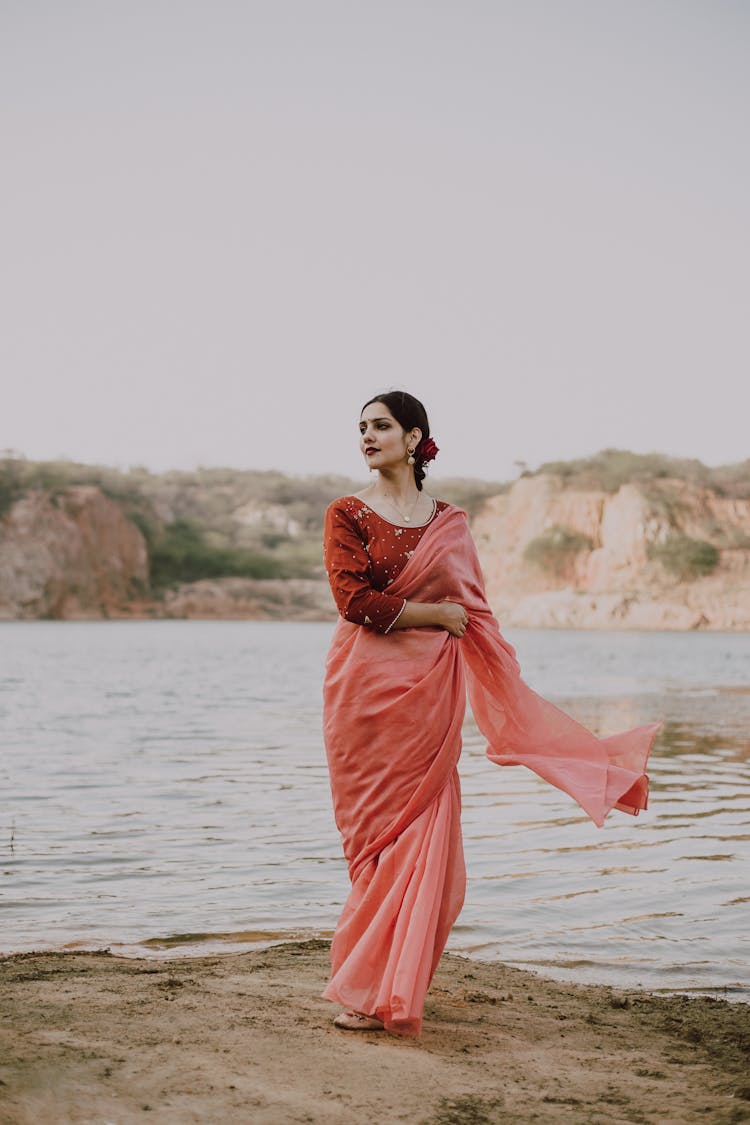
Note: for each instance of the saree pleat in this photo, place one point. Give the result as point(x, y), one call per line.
point(398, 917)
point(393, 710)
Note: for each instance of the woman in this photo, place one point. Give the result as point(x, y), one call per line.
point(415, 633)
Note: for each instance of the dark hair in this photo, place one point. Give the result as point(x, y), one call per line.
point(410, 414)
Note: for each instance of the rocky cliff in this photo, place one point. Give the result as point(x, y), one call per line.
point(88, 541)
point(664, 554)
point(72, 554)
point(250, 599)
point(68, 554)
point(656, 553)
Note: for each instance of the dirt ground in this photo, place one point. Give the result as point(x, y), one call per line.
point(92, 1038)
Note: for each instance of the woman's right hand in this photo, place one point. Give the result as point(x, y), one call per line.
point(454, 618)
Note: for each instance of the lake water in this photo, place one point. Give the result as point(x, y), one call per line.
point(164, 790)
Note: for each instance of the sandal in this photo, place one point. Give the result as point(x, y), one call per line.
point(357, 1021)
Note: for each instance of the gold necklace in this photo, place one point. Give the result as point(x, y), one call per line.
point(405, 518)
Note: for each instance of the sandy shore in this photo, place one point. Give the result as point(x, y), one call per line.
point(92, 1038)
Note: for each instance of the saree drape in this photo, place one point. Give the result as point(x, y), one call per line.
point(393, 707)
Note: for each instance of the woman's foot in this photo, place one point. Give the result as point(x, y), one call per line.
point(357, 1021)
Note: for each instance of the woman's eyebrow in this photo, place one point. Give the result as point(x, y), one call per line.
point(364, 421)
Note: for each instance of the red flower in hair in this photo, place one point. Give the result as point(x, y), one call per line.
point(427, 450)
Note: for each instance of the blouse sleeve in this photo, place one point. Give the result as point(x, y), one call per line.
point(348, 567)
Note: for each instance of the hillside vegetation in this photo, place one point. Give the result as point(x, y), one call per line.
point(214, 523)
point(618, 540)
point(612, 468)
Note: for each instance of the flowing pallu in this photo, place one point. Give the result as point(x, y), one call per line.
point(393, 710)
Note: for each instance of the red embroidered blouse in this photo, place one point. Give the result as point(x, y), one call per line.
point(363, 553)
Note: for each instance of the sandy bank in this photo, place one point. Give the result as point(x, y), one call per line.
point(91, 1038)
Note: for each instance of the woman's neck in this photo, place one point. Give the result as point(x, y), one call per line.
point(396, 484)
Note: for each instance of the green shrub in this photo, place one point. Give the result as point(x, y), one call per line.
point(684, 557)
point(555, 549)
point(146, 526)
point(181, 554)
point(10, 491)
point(299, 558)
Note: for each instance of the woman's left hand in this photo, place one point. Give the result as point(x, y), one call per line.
point(454, 618)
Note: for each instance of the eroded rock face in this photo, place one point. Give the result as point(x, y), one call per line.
point(252, 599)
point(613, 582)
point(73, 554)
point(69, 555)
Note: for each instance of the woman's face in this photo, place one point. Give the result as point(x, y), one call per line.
point(382, 439)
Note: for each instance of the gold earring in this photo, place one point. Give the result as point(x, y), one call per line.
point(410, 459)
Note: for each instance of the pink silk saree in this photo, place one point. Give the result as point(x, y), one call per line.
point(393, 709)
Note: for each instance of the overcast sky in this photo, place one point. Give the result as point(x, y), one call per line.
point(225, 225)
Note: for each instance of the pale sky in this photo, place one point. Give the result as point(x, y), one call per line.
point(225, 225)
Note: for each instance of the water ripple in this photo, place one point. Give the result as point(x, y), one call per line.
point(164, 789)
